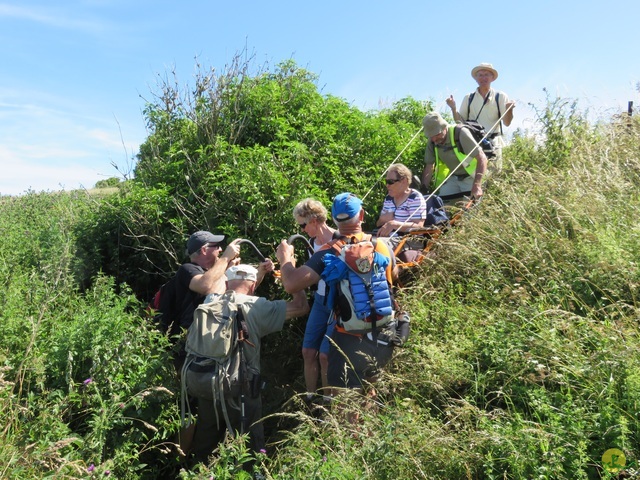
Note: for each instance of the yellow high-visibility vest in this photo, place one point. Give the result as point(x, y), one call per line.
point(442, 170)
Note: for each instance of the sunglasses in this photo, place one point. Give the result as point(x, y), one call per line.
point(302, 226)
point(214, 245)
point(391, 181)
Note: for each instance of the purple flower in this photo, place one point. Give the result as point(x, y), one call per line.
point(91, 468)
point(107, 473)
point(88, 381)
point(262, 450)
point(324, 459)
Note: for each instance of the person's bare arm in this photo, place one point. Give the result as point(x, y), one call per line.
point(397, 226)
point(508, 116)
point(452, 105)
point(384, 218)
point(411, 223)
point(212, 281)
point(481, 168)
point(264, 268)
point(298, 306)
point(294, 279)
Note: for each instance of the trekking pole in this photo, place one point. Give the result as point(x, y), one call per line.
point(243, 417)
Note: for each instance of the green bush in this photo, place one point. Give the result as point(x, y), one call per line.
point(234, 155)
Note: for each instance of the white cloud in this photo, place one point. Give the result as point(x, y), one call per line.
point(45, 147)
point(31, 168)
point(59, 19)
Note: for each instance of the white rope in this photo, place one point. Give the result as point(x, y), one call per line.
point(394, 161)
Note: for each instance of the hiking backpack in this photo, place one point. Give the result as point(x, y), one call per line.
point(359, 292)
point(479, 135)
point(214, 346)
point(164, 308)
point(436, 213)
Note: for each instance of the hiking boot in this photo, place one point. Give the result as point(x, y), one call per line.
point(317, 404)
point(310, 399)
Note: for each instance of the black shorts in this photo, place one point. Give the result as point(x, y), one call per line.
point(365, 359)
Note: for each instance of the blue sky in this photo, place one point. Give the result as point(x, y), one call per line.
point(76, 73)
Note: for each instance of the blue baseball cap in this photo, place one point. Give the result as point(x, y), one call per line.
point(345, 206)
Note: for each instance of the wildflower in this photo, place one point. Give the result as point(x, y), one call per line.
point(324, 459)
point(88, 381)
point(262, 450)
point(107, 473)
point(91, 468)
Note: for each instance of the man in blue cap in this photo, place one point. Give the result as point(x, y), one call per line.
point(365, 355)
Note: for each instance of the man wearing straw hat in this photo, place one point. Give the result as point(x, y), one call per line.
point(490, 108)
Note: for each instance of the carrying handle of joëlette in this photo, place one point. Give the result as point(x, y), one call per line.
point(249, 242)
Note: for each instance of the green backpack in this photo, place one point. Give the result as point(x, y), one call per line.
point(214, 346)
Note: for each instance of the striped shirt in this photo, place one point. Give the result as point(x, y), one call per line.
point(414, 208)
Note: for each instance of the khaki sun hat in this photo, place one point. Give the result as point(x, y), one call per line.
point(433, 124)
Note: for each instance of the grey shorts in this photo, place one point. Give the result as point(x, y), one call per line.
point(365, 360)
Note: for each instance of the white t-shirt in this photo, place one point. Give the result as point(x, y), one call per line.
point(486, 115)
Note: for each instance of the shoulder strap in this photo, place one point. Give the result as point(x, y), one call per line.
point(242, 327)
point(456, 138)
point(484, 102)
point(469, 104)
point(336, 244)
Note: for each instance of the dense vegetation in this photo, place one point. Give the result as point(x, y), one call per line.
point(524, 357)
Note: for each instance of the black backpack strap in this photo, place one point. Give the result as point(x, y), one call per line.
point(485, 101)
point(242, 328)
point(456, 137)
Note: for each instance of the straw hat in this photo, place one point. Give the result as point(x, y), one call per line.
point(485, 66)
